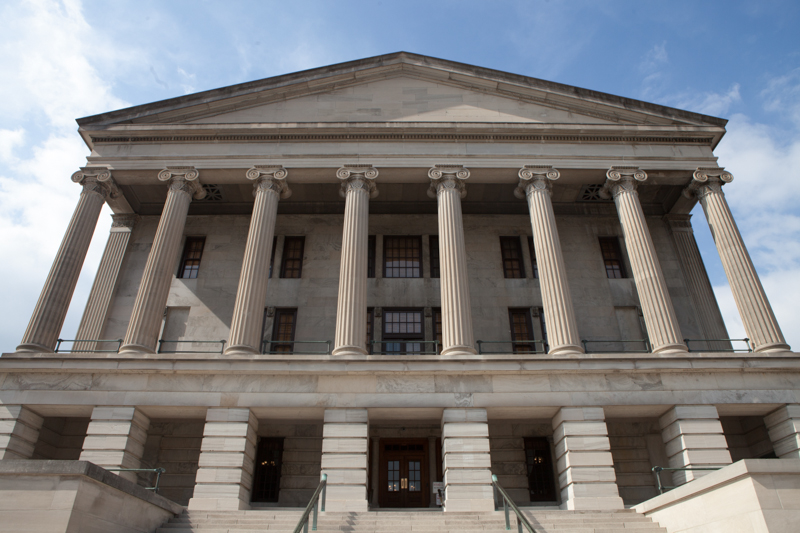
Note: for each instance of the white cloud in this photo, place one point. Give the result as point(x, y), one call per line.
point(10, 140)
point(655, 58)
point(714, 104)
point(783, 95)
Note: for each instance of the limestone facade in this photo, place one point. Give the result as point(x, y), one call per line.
point(410, 276)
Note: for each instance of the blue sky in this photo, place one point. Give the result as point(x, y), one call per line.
point(60, 60)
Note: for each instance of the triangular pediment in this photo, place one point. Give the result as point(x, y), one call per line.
point(400, 87)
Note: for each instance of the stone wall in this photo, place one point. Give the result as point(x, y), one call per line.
point(636, 447)
point(61, 438)
point(747, 437)
point(302, 460)
point(507, 449)
point(175, 446)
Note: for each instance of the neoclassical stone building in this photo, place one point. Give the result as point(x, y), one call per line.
point(402, 271)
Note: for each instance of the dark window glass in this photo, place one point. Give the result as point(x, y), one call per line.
point(401, 326)
point(190, 261)
point(532, 250)
point(437, 327)
point(544, 329)
point(283, 331)
point(371, 256)
point(393, 468)
point(292, 262)
point(521, 330)
point(539, 462)
point(612, 257)
point(512, 257)
point(370, 328)
point(402, 257)
point(414, 476)
point(434, 245)
point(272, 257)
point(267, 475)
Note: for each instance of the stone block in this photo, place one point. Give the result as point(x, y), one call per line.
point(695, 442)
point(334, 461)
point(346, 477)
point(227, 444)
point(700, 458)
point(578, 414)
point(221, 490)
point(570, 460)
point(217, 504)
point(588, 475)
point(464, 415)
point(465, 430)
point(342, 446)
point(456, 445)
point(225, 460)
point(688, 412)
point(231, 415)
point(346, 492)
point(579, 429)
point(344, 431)
point(223, 475)
point(229, 429)
point(467, 476)
point(346, 416)
point(783, 429)
point(21, 413)
point(470, 492)
point(788, 448)
point(467, 460)
point(691, 427)
point(582, 444)
point(787, 412)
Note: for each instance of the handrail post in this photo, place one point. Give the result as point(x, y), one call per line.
point(324, 490)
point(480, 351)
point(686, 342)
point(505, 510)
point(749, 346)
point(314, 523)
point(58, 344)
point(583, 341)
point(657, 472)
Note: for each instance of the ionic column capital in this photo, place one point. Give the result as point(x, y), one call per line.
point(445, 177)
point(622, 179)
point(269, 178)
point(707, 180)
point(97, 180)
point(358, 177)
point(538, 177)
point(122, 223)
point(184, 179)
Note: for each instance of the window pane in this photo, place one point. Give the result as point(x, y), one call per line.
point(434, 246)
point(292, 263)
point(612, 257)
point(190, 260)
point(394, 475)
point(403, 325)
point(402, 257)
point(512, 257)
point(283, 331)
point(414, 477)
point(437, 328)
point(371, 256)
point(532, 250)
point(521, 330)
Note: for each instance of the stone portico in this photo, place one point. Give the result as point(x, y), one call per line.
point(497, 276)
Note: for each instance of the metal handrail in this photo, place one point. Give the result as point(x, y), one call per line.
point(648, 347)
point(162, 341)
point(317, 500)
point(529, 342)
point(73, 341)
point(658, 469)
point(158, 472)
point(749, 348)
point(265, 343)
point(508, 502)
point(408, 341)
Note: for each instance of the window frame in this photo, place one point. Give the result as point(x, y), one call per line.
point(403, 336)
point(438, 329)
point(615, 249)
point(370, 328)
point(285, 257)
point(433, 249)
point(525, 312)
point(276, 343)
point(415, 238)
point(534, 264)
point(272, 255)
point(517, 248)
point(185, 257)
point(372, 243)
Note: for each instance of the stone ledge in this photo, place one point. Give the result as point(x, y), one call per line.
point(90, 470)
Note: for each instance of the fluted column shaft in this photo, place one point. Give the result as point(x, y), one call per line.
point(562, 330)
point(351, 312)
point(659, 314)
point(94, 315)
point(248, 312)
point(757, 316)
point(698, 284)
point(148, 309)
point(457, 337)
point(51, 309)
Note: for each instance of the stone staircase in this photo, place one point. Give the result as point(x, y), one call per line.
point(283, 521)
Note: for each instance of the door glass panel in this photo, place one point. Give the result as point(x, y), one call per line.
point(394, 476)
point(414, 480)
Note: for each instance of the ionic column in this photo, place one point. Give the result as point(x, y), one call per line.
point(51, 309)
point(358, 186)
point(94, 316)
point(697, 282)
point(757, 317)
point(248, 312)
point(148, 309)
point(562, 331)
point(447, 184)
point(659, 315)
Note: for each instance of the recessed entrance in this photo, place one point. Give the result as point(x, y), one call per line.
point(403, 476)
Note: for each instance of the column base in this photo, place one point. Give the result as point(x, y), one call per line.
point(136, 349)
point(240, 349)
point(671, 348)
point(451, 351)
point(34, 348)
point(349, 350)
point(567, 349)
point(772, 347)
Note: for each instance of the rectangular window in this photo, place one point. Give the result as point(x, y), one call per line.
point(267, 475)
point(272, 257)
point(371, 256)
point(401, 326)
point(370, 328)
point(539, 462)
point(532, 250)
point(437, 327)
point(402, 257)
point(283, 331)
point(292, 263)
point(511, 250)
point(434, 246)
point(612, 257)
point(190, 261)
point(521, 330)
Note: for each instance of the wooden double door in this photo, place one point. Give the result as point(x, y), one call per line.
point(404, 479)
